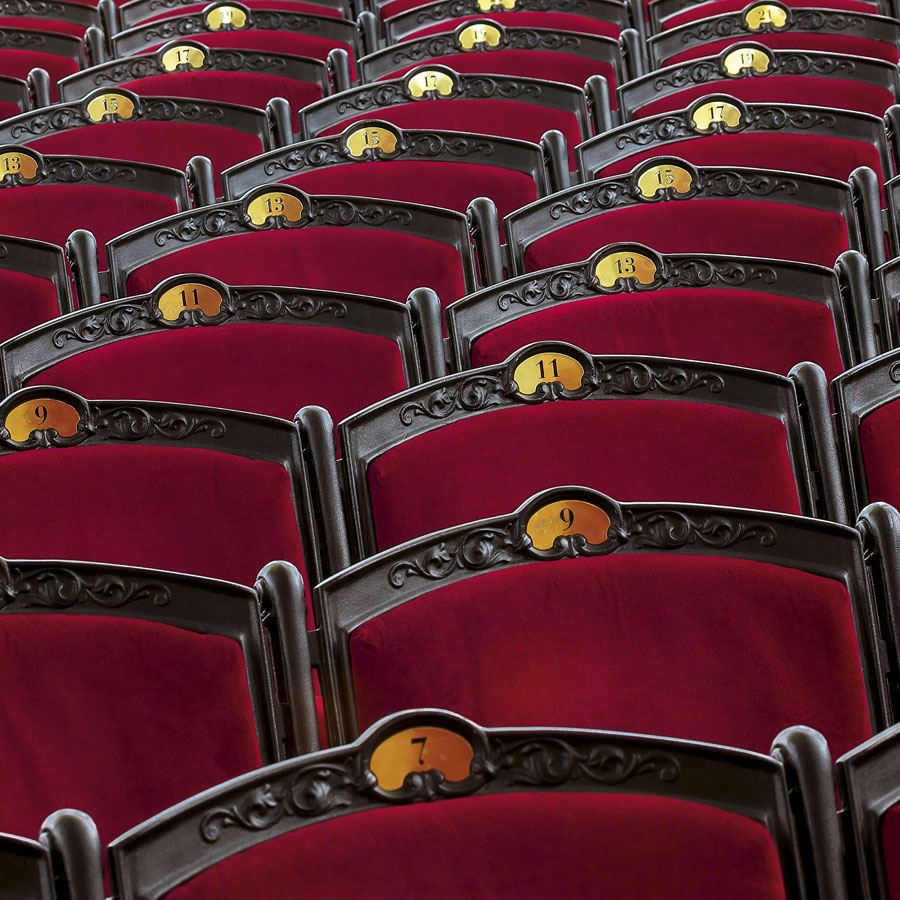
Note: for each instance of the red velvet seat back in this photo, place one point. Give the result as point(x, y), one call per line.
point(52, 212)
point(878, 434)
point(8, 110)
point(244, 88)
point(452, 185)
point(691, 452)
point(504, 118)
point(720, 7)
point(117, 717)
point(797, 40)
point(733, 227)
point(742, 328)
point(264, 368)
point(811, 154)
point(25, 301)
point(18, 63)
point(728, 651)
point(56, 26)
point(555, 19)
point(182, 509)
point(373, 261)
point(514, 845)
point(163, 143)
point(890, 847)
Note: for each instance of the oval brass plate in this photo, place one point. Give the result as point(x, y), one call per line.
point(110, 104)
point(624, 264)
point(666, 176)
point(40, 414)
point(542, 368)
point(18, 162)
point(479, 33)
point(426, 82)
point(746, 58)
point(189, 295)
point(765, 14)
point(183, 56)
point(274, 203)
point(709, 114)
point(487, 5)
point(420, 750)
point(567, 517)
point(368, 138)
point(223, 16)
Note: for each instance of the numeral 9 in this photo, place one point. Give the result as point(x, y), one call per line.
point(567, 516)
point(40, 413)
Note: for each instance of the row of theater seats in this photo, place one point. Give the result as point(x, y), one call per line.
point(370, 373)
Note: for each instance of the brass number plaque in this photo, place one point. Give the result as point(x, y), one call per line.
point(746, 58)
point(479, 33)
point(274, 203)
point(183, 56)
point(41, 414)
point(567, 517)
point(17, 162)
point(488, 5)
point(765, 14)
point(624, 264)
point(658, 178)
point(427, 82)
point(189, 295)
point(366, 138)
point(542, 368)
point(420, 750)
point(709, 114)
point(110, 104)
point(225, 16)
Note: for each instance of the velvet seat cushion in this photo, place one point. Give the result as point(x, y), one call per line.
point(878, 433)
point(264, 368)
point(514, 845)
point(838, 93)
point(163, 143)
point(451, 185)
point(504, 118)
point(556, 19)
point(25, 301)
point(244, 88)
point(42, 23)
point(807, 153)
point(297, 6)
point(797, 40)
point(18, 63)
point(719, 7)
point(183, 509)
point(119, 718)
point(52, 212)
point(370, 261)
point(734, 227)
point(741, 328)
point(8, 110)
point(890, 847)
point(689, 452)
point(728, 651)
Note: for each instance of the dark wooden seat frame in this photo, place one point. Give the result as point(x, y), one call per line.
point(136, 11)
point(42, 260)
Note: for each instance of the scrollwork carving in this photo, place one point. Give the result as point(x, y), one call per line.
point(570, 284)
point(470, 395)
point(701, 272)
point(604, 195)
point(76, 171)
point(371, 98)
point(672, 530)
point(665, 128)
point(267, 305)
point(345, 212)
point(731, 183)
point(134, 423)
point(199, 226)
point(635, 378)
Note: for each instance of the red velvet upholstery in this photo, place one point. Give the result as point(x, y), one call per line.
point(504, 118)
point(381, 263)
point(878, 434)
point(56, 26)
point(722, 650)
point(25, 301)
point(52, 212)
point(164, 143)
point(18, 63)
point(244, 88)
point(739, 227)
point(890, 847)
point(117, 717)
point(291, 5)
point(826, 41)
point(724, 6)
point(8, 110)
point(811, 154)
point(692, 452)
point(513, 845)
point(264, 368)
point(562, 21)
point(838, 93)
point(452, 185)
point(741, 328)
point(564, 67)
point(184, 509)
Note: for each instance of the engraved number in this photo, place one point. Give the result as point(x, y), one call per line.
point(40, 413)
point(110, 104)
point(567, 516)
point(12, 164)
point(747, 57)
point(553, 366)
point(665, 176)
point(227, 14)
point(371, 137)
point(717, 113)
point(420, 740)
point(194, 296)
point(183, 54)
point(275, 204)
point(626, 266)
